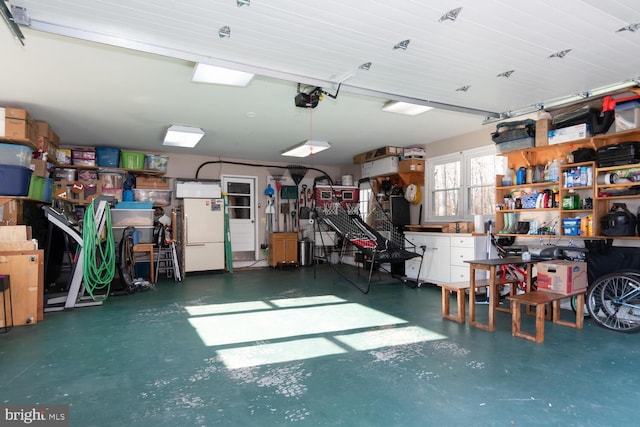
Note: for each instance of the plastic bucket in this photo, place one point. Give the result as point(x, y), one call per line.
point(305, 252)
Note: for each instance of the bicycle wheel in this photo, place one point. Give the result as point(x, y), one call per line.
point(614, 301)
point(574, 306)
point(127, 265)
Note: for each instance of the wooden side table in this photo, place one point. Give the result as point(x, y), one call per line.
point(147, 248)
point(491, 265)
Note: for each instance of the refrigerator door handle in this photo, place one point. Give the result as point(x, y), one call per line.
point(186, 229)
point(194, 244)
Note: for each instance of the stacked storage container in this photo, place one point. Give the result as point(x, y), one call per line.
point(15, 171)
point(111, 182)
point(141, 219)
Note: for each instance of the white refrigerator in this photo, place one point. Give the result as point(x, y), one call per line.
point(203, 234)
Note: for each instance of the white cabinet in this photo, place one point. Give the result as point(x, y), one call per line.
point(435, 267)
point(444, 256)
point(466, 248)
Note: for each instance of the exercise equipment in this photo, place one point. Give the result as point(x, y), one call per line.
point(92, 254)
point(373, 234)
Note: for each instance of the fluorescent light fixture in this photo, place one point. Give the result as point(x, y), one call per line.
point(183, 136)
point(405, 108)
point(307, 148)
point(205, 73)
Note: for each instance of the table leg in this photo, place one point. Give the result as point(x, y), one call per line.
point(472, 295)
point(493, 298)
point(152, 267)
point(472, 299)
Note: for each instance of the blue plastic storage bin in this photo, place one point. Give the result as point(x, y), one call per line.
point(108, 157)
point(47, 193)
point(14, 180)
point(134, 205)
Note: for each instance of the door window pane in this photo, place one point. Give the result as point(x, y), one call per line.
point(238, 188)
point(239, 213)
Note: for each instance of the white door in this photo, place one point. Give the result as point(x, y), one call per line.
point(242, 212)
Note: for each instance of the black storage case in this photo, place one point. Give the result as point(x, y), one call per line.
point(584, 155)
point(598, 122)
point(512, 131)
point(619, 221)
point(625, 153)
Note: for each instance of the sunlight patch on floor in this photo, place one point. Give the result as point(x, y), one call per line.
point(238, 307)
point(238, 328)
point(388, 337)
point(263, 354)
point(299, 302)
point(248, 329)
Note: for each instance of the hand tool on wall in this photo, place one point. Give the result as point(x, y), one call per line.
point(284, 210)
point(305, 211)
point(269, 213)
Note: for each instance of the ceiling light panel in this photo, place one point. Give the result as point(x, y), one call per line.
point(205, 73)
point(306, 149)
point(182, 136)
point(405, 108)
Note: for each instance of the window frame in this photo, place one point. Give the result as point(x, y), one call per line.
point(464, 157)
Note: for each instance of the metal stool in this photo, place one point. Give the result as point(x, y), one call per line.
point(5, 286)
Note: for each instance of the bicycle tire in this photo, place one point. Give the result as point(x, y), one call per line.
point(609, 307)
point(127, 265)
point(574, 307)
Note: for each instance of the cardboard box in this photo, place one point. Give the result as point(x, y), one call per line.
point(40, 167)
point(380, 167)
point(152, 182)
point(377, 154)
point(16, 113)
point(18, 129)
point(414, 153)
point(543, 126)
point(569, 133)
point(564, 277)
point(459, 227)
point(10, 212)
point(15, 233)
point(43, 129)
point(16, 123)
point(411, 165)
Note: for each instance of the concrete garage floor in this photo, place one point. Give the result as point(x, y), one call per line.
point(270, 347)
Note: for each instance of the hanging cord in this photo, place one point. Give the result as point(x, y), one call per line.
point(99, 254)
point(311, 126)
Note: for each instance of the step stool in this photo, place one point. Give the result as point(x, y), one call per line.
point(167, 262)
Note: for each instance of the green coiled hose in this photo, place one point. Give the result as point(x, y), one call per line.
point(99, 254)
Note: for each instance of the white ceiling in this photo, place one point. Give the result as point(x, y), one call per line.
point(117, 73)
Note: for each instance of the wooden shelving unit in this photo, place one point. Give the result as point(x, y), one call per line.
point(600, 203)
